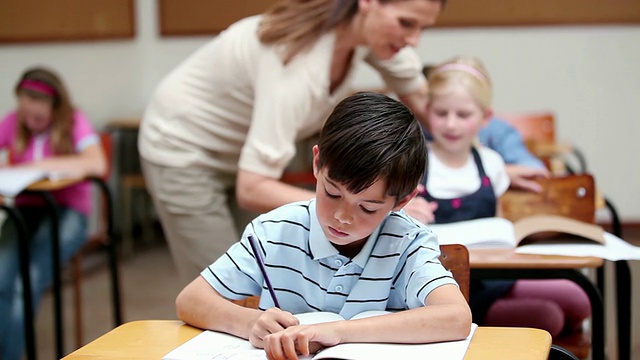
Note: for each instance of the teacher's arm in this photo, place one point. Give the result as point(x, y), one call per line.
point(260, 193)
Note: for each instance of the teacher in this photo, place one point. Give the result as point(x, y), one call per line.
point(221, 127)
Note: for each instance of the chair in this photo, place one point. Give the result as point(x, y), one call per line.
point(454, 257)
point(102, 238)
point(572, 196)
point(559, 353)
point(538, 130)
point(299, 172)
point(130, 184)
point(538, 133)
point(130, 188)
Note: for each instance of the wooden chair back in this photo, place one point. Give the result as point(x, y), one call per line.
point(538, 133)
point(572, 196)
point(454, 258)
point(534, 127)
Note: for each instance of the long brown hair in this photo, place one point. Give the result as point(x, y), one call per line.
point(297, 24)
point(62, 114)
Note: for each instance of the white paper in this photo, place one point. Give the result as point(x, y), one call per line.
point(211, 345)
point(492, 232)
point(615, 249)
point(449, 350)
point(14, 180)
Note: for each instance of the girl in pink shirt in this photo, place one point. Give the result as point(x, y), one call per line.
point(45, 132)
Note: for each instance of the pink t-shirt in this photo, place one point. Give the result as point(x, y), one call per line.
point(77, 197)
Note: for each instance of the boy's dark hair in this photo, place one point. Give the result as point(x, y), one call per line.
point(371, 136)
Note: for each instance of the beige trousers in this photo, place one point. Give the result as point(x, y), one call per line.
point(199, 214)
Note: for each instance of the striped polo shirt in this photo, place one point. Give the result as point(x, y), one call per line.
point(396, 269)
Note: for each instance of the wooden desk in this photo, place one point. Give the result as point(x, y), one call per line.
point(51, 185)
point(43, 188)
point(507, 264)
point(152, 339)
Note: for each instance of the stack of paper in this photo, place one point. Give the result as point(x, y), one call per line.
point(14, 180)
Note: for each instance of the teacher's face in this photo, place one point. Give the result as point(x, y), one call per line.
point(389, 26)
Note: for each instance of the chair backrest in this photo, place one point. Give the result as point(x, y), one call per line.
point(572, 196)
point(454, 257)
point(539, 135)
point(534, 127)
point(107, 147)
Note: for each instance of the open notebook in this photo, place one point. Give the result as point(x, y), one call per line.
point(210, 345)
point(539, 234)
point(496, 232)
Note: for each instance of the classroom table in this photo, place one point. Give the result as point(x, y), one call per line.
point(43, 188)
point(507, 264)
point(152, 339)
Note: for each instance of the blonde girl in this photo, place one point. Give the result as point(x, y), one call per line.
point(464, 181)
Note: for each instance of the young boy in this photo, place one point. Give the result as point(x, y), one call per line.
point(349, 250)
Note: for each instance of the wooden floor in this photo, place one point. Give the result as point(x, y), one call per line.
point(149, 287)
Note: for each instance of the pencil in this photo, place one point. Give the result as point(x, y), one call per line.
point(263, 269)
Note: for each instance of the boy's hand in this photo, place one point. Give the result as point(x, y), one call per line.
point(271, 321)
point(300, 340)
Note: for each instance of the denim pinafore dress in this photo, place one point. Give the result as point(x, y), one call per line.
point(480, 204)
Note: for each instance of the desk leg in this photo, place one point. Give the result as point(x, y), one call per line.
point(113, 255)
point(27, 300)
point(595, 297)
point(57, 282)
point(623, 300)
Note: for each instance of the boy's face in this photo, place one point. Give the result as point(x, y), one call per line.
point(345, 217)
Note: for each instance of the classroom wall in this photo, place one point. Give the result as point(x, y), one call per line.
point(587, 75)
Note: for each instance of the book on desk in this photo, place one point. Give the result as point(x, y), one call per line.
point(539, 234)
point(215, 345)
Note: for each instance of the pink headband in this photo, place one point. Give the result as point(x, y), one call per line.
point(460, 67)
point(38, 86)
